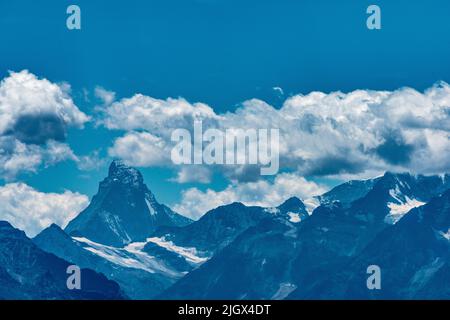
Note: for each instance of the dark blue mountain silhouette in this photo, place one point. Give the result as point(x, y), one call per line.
point(398, 221)
point(276, 259)
point(27, 272)
point(142, 279)
point(220, 226)
point(414, 257)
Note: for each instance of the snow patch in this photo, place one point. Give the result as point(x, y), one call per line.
point(395, 193)
point(398, 210)
point(311, 204)
point(150, 207)
point(190, 254)
point(272, 210)
point(446, 235)
point(284, 290)
point(294, 217)
point(128, 257)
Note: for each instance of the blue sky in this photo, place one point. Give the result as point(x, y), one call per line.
point(221, 53)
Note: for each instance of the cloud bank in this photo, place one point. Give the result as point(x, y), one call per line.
point(339, 135)
point(32, 211)
point(355, 134)
point(195, 203)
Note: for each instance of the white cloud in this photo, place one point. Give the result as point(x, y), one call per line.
point(140, 149)
point(34, 117)
point(16, 157)
point(154, 115)
point(22, 93)
point(195, 203)
point(33, 211)
point(321, 134)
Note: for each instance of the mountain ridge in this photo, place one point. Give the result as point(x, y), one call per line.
point(31, 273)
point(328, 240)
point(247, 252)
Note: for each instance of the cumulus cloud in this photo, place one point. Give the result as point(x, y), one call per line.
point(22, 94)
point(33, 211)
point(155, 115)
point(321, 134)
point(16, 157)
point(372, 130)
point(195, 203)
point(141, 149)
point(35, 115)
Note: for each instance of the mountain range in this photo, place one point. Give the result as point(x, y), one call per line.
point(28, 272)
point(131, 246)
point(124, 210)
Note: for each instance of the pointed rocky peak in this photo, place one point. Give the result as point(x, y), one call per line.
point(124, 210)
point(292, 210)
point(54, 227)
point(53, 232)
point(293, 204)
point(7, 231)
point(119, 172)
